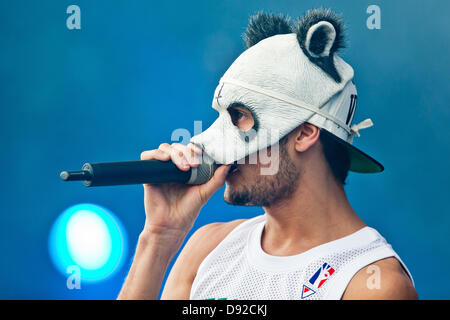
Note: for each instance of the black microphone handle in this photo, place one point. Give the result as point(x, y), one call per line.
point(139, 172)
point(134, 172)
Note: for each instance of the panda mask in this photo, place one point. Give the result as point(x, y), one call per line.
point(287, 76)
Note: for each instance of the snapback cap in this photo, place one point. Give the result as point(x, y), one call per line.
point(335, 121)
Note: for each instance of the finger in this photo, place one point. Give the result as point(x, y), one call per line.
point(207, 189)
point(188, 152)
point(198, 152)
point(177, 156)
point(155, 154)
point(195, 147)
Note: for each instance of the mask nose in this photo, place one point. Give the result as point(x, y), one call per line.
point(213, 141)
point(204, 139)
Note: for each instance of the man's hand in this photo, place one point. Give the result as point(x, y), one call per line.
point(171, 210)
point(173, 207)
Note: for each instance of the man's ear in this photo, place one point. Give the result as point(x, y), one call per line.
point(306, 136)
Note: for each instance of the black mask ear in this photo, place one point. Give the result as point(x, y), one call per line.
point(320, 35)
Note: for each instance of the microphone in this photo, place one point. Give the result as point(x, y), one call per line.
point(140, 172)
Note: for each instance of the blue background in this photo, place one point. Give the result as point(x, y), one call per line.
point(137, 70)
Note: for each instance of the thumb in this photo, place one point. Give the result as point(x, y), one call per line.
point(215, 183)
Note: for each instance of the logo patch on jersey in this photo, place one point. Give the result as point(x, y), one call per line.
point(317, 280)
point(307, 291)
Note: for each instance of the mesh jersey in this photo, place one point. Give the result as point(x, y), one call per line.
point(238, 268)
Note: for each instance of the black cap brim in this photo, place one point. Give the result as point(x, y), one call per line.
point(359, 161)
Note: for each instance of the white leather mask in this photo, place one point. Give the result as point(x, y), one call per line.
point(279, 82)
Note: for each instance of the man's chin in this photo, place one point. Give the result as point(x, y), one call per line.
point(234, 196)
point(228, 194)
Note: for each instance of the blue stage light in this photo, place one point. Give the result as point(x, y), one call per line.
point(90, 237)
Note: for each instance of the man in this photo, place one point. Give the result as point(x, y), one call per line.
point(309, 244)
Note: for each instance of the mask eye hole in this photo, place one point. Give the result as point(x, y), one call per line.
point(241, 117)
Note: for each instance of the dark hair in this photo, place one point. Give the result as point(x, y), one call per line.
point(337, 157)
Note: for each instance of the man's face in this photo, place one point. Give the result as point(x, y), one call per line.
point(245, 185)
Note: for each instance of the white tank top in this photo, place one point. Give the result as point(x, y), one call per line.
point(238, 268)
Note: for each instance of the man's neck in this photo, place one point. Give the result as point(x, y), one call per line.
point(317, 212)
